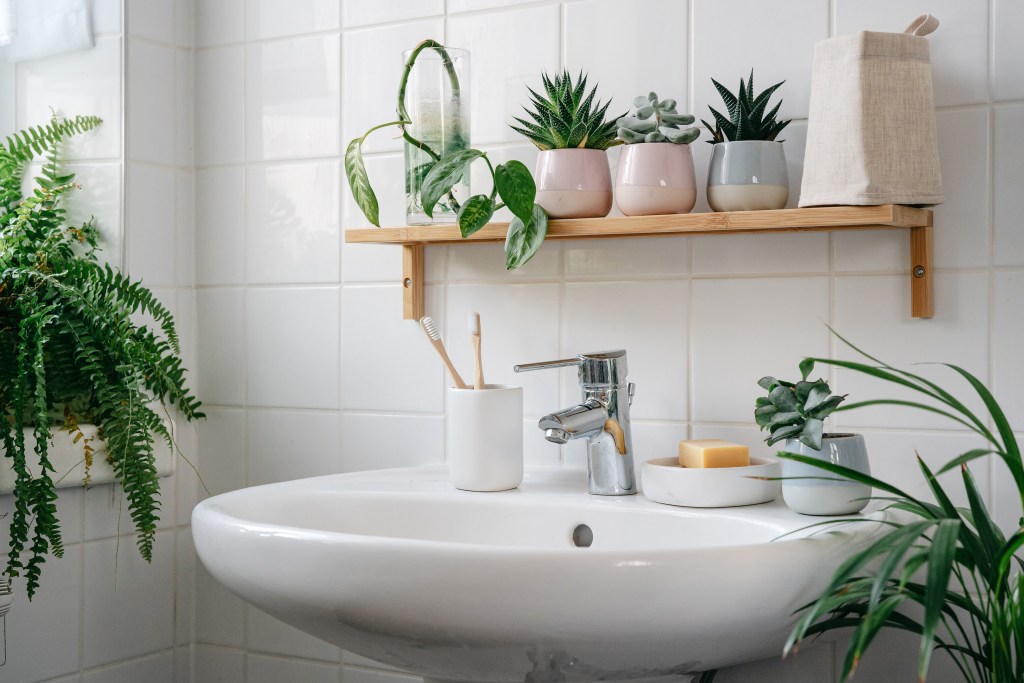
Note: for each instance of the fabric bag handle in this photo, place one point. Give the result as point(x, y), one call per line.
point(922, 26)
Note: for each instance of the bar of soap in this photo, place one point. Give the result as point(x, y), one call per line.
point(712, 453)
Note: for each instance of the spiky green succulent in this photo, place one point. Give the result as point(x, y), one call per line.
point(656, 121)
point(747, 119)
point(567, 116)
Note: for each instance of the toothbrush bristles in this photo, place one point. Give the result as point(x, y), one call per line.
point(474, 323)
point(430, 328)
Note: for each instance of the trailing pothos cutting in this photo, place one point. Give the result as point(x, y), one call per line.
point(953, 564)
point(71, 351)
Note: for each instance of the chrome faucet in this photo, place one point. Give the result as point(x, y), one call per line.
point(602, 417)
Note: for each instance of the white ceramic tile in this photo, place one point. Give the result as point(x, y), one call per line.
point(388, 363)
point(873, 312)
point(519, 324)
point(185, 227)
point(369, 95)
point(285, 445)
point(486, 261)
point(649, 321)
point(106, 512)
point(371, 442)
point(1009, 200)
point(360, 661)
point(222, 450)
point(813, 665)
point(725, 49)
point(1007, 331)
point(657, 62)
point(219, 22)
point(151, 224)
point(885, 251)
point(151, 102)
point(292, 234)
point(141, 588)
point(761, 254)
point(217, 665)
point(8, 110)
point(292, 347)
point(962, 225)
point(106, 16)
point(189, 490)
point(1007, 50)
point(538, 451)
point(221, 369)
point(99, 198)
point(184, 587)
point(152, 19)
point(470, 5)
point(267, 634)
point(738, 338)
point(220, 615)
point(363, 13)
point(292, 108)
point(273, 19)
point(656, 440)
point(80, 83)
point(52, 618)
point(651, 256)
point(220, 106)
point(495, 43)
point(273, 670)
point(959, 48)
point(184, 669)
point(185, 23)
point(185, 108)
point(156, 669)
point(352, 674)
point(220, 226)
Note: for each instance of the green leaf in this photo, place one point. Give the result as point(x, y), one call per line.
point(940, 563)
point(784, 419)
point(475, 214)
point(359, 182)
point(783, 433)
point(818, 393)
point(767, 383)
point(784, 399)
point(448, 170)
point(827, 407)
point(524, 239)
point(963, 459)
point(516, 188)
point(810, 435)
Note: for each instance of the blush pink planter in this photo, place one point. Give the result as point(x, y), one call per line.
point(655, 178)
point(574, 183)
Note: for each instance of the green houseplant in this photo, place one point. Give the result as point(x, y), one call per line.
point(953, 565)
point(72, 352)
point(748, 167)
point(655, 173)
point(567, 124)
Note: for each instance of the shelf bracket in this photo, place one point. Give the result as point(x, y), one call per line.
point(922, 304)
point(412, 281)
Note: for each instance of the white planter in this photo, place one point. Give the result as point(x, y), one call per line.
point(826, 493)
point(655, 178)
point(574, 183)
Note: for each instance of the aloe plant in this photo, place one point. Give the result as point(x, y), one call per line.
point(656, 121)
point(747, 119)
point(954, 565)
point(795, 411)
point(567, 116)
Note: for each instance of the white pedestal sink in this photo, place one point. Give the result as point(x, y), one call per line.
point(400, 567)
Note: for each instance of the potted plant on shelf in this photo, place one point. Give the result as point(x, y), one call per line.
point(655, 171)
point(963, 577)
point(796, 413)
point(568, 126)
point(748, 166)
point(73, 352)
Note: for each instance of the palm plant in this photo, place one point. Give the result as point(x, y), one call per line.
point(953, 563)
point(71, 351)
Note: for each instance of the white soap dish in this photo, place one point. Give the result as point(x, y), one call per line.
point(664, 481)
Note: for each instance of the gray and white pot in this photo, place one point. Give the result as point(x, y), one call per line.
point(830, 494)
point(748, 175)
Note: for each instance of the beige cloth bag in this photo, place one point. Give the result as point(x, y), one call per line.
point(871, 130)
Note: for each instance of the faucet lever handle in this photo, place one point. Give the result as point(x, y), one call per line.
point(548, 364)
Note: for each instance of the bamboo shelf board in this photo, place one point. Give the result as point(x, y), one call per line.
point(832, 218)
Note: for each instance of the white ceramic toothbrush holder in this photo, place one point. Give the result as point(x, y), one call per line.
point(485, 437)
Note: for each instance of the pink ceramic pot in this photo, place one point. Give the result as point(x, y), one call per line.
point(655, 178)
point(574, 183)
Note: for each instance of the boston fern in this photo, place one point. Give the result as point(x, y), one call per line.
point(71, 351)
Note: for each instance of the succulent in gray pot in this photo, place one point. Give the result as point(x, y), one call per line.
point(655, 172)
point(748, 166)
point(795, 413)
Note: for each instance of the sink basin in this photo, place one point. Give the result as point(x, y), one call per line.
point(541, 583)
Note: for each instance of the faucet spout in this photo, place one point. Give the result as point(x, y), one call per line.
point(584, 419)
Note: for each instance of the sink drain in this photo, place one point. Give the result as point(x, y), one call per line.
point(582, 536)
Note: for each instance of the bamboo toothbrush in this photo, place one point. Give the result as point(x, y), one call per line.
point(474, 332)
point(435, 338)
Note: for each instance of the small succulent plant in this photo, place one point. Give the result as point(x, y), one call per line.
point(656, 121)
point(747, 119)
point(795, 411)
point(568, 116)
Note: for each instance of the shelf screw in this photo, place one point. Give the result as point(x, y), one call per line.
point(407, 282)
point(919, 271)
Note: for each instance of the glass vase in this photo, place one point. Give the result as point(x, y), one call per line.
point(437, 104)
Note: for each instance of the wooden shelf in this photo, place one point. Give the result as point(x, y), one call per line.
point(918, 221)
